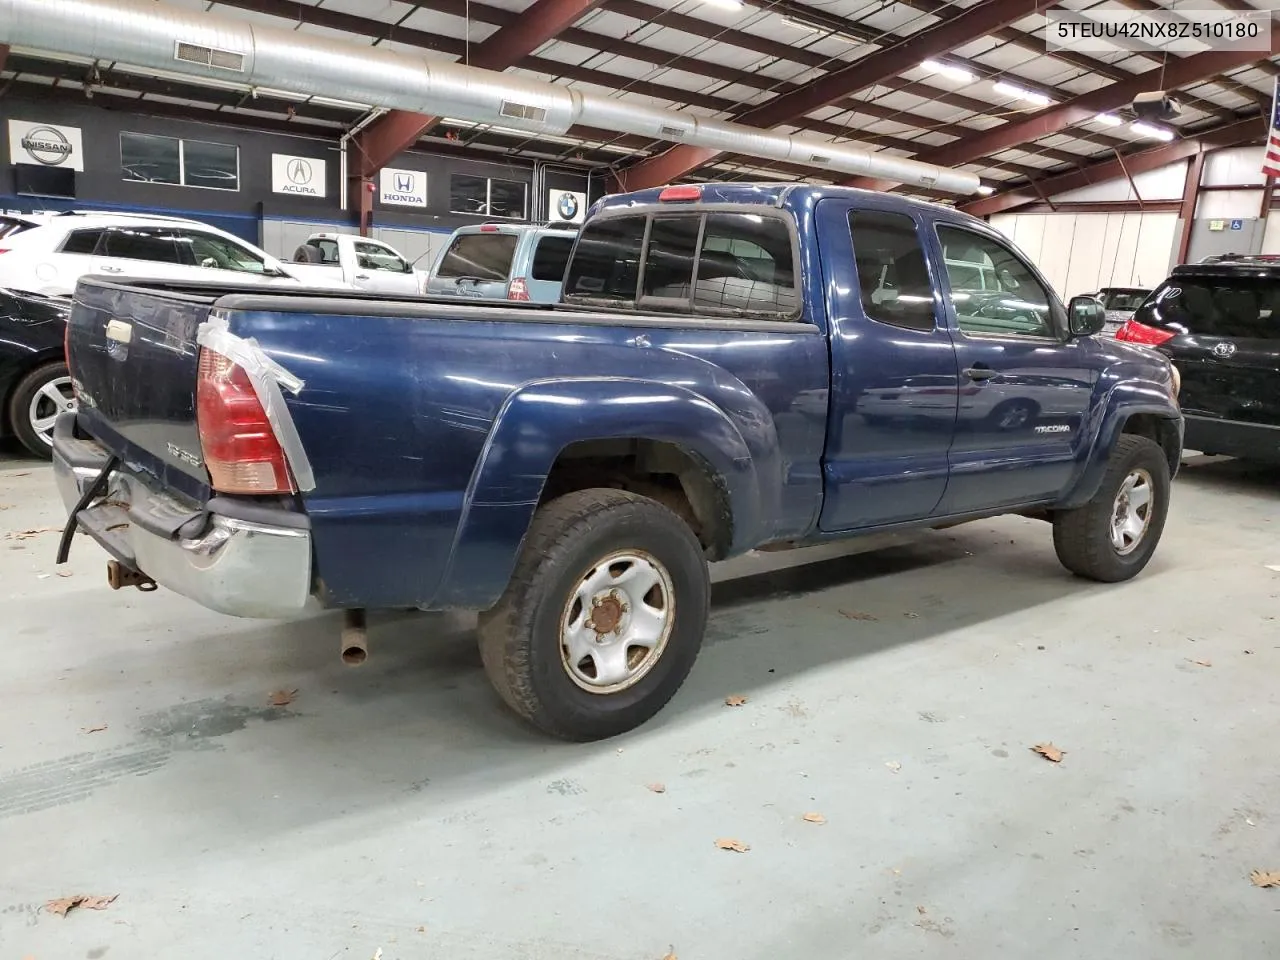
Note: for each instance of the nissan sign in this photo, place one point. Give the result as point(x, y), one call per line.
point(300, 176)
point(45, 145)
point(403, 188)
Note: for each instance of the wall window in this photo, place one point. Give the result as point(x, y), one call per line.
point(993, 292)
point(189, 163)
point(892, 278)
point(487, 197)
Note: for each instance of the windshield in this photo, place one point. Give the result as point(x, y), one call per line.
point(1243, 307)
point(483, 256)
point(1123, 299)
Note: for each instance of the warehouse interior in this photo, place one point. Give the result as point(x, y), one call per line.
point(926, 741)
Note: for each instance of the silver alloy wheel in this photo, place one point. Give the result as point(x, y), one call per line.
point(52, 399)
point(616, 624)
point(1131, 511)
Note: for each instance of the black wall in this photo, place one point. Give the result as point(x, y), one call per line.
point(101, 184)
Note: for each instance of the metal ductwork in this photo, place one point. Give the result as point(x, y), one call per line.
point(149, 34)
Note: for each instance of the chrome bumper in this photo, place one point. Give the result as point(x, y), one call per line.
point(244, 568)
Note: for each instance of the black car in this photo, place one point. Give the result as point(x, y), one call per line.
point(1220, 324)
point(34, 384)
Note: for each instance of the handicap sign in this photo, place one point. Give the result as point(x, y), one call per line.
point(1237, 224)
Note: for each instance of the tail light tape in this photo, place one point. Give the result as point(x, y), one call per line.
point(267, 377)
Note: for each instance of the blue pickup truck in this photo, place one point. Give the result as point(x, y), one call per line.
point(731, 366)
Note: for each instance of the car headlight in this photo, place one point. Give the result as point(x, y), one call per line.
point(1175, 381)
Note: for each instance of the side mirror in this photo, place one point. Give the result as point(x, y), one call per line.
point(1085, 316)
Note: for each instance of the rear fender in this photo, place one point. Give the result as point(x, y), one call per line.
point(1124, 401)
point(540, 420)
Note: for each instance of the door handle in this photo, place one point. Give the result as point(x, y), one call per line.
point(981, 373)
point(110, 269)
point(362, 276)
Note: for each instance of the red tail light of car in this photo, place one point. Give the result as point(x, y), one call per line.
point(240, 447)
point(518, 289)
point(1134, 332)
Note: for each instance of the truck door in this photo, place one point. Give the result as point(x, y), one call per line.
point(1025, 386)
point(893, 400)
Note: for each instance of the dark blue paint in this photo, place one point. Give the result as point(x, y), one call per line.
point(431, 428)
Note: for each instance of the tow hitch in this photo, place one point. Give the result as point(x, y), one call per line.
point(118, 575)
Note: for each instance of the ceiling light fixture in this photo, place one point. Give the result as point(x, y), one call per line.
point(1147, 130)
point(1108, 120)
point(725, 4)
point(985, 190)
point(1018, 93)
point(947, 70)
point(799, 25)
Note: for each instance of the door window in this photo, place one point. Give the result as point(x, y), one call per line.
point(893, 278)
point(143, 243)
point(374, 256)
point(991, 289)
point(551, 257)
point(218, 253)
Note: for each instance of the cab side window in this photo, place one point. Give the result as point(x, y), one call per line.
point(892, 276)
point(992, 290)
point(372, 256)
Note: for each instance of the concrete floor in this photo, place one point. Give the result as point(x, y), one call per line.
point(399, 807)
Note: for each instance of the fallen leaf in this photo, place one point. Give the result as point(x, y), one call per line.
point(422, 929)
point(98, 729)
point(657, 787)
point(28, 534)
point(63, 904)
point(64, 573)
point(670, 955)
point(6, 506)
point(1049, 752)
point(1250, 652)
point(282, 698)
point(814, 818)
point(921, 910)
point(42, 576)
point(856, 615)
point(377, 954)
point(737, 846)
point(893, 765)
point(1265, 878)
point(736, 700)
point(1202, 663)
point(912, 616)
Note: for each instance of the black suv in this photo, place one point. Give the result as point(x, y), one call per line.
point(1220, 324)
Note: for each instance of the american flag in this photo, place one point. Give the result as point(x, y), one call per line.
point(1271, 159)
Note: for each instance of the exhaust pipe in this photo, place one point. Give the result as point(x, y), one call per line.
point(118, 575)
point(355, 638)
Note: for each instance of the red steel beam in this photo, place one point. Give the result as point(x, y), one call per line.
point(1180, 72)
point(975, 21)
point(396, 131)
point(1187, 209)
point(1228, 135)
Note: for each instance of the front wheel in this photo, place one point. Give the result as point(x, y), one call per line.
point(37, 401)
point(603, 617)
point(1112, 537)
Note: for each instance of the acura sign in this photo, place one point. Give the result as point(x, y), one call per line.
point(300, 176)
point(403, 188)
point(45, 145)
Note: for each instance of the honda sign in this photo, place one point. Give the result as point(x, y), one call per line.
point(403, 188)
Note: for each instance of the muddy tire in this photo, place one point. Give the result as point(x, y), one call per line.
point(1112, 537)
point(602, 618)
point(36, 401)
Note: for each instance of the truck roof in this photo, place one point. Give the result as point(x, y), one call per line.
point(788, 195)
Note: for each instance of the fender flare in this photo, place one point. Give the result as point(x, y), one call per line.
point(541, 419)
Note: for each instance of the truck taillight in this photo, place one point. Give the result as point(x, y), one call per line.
point(518, 289)
point(1134, 332)
point(240, 448)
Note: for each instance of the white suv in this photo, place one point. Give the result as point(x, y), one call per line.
point(49, 255)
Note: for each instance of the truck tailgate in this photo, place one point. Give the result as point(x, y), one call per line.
point(134, 358)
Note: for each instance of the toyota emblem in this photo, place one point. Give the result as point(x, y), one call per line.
point(299, 171)
point(1224, 350)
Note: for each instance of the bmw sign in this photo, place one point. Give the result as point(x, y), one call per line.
point(299, 176)
point(566, 205)
point(403, 188)
point(45, 145)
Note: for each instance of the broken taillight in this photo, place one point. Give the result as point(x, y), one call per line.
point(518, 289)
point(240, 447)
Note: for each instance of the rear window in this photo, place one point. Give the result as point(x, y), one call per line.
point(745, 263)
point(482, 256)
point(551, 257)
point(1244, 307)
point(1123, 299)
point(81, 241)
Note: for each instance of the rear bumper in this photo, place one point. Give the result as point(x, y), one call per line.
point(1233, 438)
point(245, 566)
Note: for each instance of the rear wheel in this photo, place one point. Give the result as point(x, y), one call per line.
point(1113, 536)
point(603, 617)
point(37, 401)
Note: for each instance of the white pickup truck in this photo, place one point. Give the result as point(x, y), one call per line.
point(329, 259)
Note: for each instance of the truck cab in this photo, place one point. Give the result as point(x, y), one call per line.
point(359, 262)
